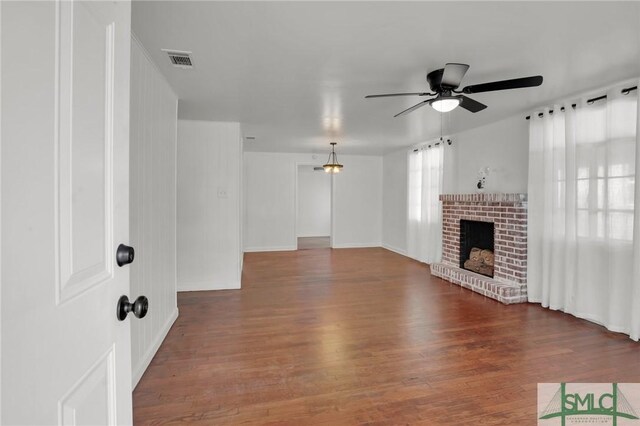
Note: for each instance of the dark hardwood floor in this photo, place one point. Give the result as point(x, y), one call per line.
point(365, 336)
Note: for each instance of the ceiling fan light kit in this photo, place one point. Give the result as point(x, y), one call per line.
point(332, 165)
point(445, 103)
point(445, 82)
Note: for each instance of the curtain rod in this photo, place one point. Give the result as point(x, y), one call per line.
point(590, 101)
point(440, 141)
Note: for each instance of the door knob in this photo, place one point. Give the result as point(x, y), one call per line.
point(124, 255)
point(139, 307)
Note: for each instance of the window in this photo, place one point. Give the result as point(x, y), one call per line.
point(605, 170)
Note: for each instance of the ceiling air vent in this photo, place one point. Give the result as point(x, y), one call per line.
point(179, 58)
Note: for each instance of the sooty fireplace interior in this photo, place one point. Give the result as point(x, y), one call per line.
point(476, 246)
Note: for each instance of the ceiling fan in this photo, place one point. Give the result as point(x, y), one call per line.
point(444, 83)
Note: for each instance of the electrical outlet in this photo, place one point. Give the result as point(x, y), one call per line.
point(222, 192)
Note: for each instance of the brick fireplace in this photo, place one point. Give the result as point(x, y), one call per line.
point(508, 213)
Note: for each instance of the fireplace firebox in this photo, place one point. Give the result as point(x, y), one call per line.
point(476, 246)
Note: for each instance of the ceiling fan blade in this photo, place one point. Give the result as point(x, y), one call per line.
point(413, 108)
point(453, 74)
point(516, 83)
point(470, 104)
point(398, 94)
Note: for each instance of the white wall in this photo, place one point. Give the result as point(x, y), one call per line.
point(502, 146)
point(209, 215)
point(314, 203)
point(394, 201)
point(357, 203)
point(154, 115)
point(270, 200)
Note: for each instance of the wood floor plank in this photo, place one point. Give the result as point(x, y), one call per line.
point(365, 336)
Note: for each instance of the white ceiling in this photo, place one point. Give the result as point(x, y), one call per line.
point(296, 73)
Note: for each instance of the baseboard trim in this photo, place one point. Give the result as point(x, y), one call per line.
point(395, 250)
point(207, 286)
point(280, 248)
point(356, 245)
point(151, 352)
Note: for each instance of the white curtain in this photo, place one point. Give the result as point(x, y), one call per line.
point(584, 227)
point(424, 229)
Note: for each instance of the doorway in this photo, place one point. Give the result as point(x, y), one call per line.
point(313, 207)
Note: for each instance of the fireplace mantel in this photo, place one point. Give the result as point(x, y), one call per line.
point(508, 213)
point(482, 197)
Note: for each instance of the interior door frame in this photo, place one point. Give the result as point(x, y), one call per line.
point(296, 200)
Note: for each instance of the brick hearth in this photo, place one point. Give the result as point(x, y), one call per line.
point(508, 212)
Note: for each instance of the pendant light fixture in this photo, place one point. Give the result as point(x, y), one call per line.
point(332, 165)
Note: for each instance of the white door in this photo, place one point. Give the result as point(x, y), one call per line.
point(65, 209)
